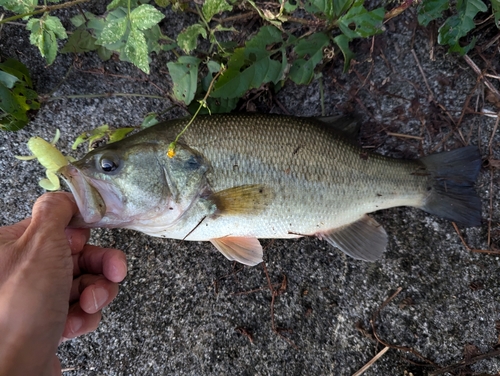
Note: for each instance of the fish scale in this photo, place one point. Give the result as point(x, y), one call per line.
point(318, 172)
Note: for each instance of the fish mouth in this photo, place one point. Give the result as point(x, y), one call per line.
point(87, 193)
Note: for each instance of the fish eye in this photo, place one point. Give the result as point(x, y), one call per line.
point(108, 163)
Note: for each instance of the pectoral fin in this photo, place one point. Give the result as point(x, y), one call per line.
point(245, 199)
point(364, 239)
point(248, 251)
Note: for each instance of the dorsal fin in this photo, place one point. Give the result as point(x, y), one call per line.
point(346, 124)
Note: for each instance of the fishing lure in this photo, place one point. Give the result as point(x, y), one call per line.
point(49, 157)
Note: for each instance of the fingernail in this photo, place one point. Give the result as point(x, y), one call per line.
point(75, 323)
point(100, 297)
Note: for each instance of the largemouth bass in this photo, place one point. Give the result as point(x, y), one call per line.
point(236, 178)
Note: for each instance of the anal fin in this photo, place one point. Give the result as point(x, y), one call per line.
point(364, 239)
point(247, 251)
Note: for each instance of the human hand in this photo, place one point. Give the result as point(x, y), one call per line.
point(52, 286)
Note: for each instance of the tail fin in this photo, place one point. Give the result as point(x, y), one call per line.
point(452, 195)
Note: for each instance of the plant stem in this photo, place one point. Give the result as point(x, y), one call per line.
point(171, 147)
point(105, 95)
point(43, 10)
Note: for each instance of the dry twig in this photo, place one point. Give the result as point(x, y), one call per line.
point(370, 363)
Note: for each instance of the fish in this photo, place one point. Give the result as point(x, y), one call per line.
point(237, 178)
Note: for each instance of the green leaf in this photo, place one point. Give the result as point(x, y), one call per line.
point(290, 5)
point(252, 66)
point(184, 74)
point(44, 33)
point(44, 39)
point(16, 97)
point(457, 26)
point(123, 3)
point(429, 10)
point(136, 49)
point(115, 3)
point(145, 17)
point(55, 25)
point(341, 6)
point(152, 36)
point(495, 6)
point(302, 70)
point(8, 80)
point(119, 134)
point(149, 120)
point(366, 23)
point(104, 53)
point(80, 41)
point(80, 20)
point(9, 103)
point(237, 79)
point(11, 124)
point(113, 31)
point(213, 68)
point(267, 35)
point(19, 6)
point(320, 6)
point(188, 38)
point(17, 69)
point(343, 43)
point(162, 3)
point(216, 106)
point(213, 7)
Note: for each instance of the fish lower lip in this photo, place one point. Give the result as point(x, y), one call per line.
point(90, 202)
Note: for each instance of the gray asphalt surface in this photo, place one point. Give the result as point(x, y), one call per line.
point(184, 309)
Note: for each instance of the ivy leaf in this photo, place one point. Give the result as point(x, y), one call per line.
point(302, 70)
point(184, 74)
point(457, 26)
point(429, 10)
point(136, 49)
point(187, 39)
point(213, 7)
point(145, 17)
point(112, 31)
point(19, 6)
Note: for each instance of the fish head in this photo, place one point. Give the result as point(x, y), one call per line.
point(124, 185)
